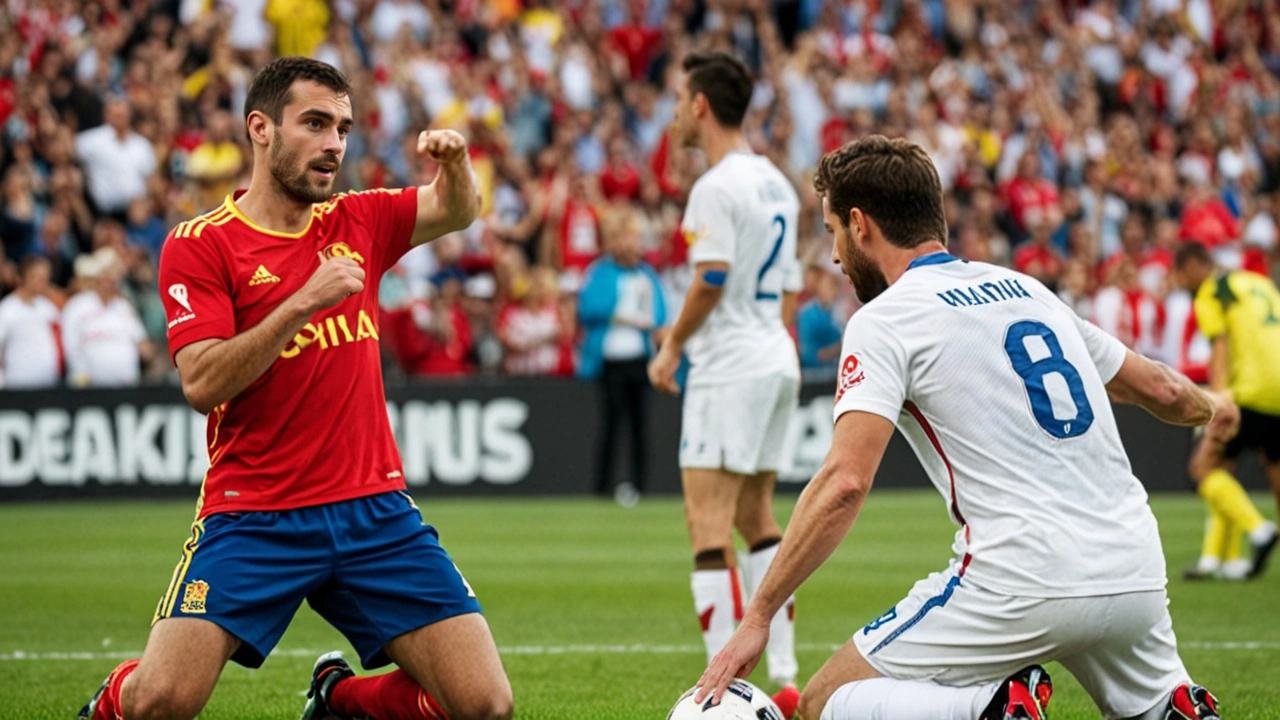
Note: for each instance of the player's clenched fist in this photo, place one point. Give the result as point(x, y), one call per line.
point(443, 146)
point(336, 279)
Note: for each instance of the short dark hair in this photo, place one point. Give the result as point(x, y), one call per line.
point(272, 87)
point(724, 80)
point(893, 181)
point(1191, 251)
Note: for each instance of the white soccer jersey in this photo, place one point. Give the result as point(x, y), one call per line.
point(28, 344)
point(1000, 389)
point(743, 212)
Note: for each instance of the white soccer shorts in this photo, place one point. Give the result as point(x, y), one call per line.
point(739, 426)
point(1120, 647)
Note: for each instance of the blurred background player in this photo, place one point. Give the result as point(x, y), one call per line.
point(1002, 392)
point(271, 301)
point(744, 375)
point(1239, 312)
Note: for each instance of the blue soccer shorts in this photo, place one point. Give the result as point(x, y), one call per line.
point(370, 566)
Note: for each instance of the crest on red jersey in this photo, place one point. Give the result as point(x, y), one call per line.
point(341, 249)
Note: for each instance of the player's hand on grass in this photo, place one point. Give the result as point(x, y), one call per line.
point(1226, 417)
point(663, 367)
point(337, 279)
point(443, 146)
point(738, 658)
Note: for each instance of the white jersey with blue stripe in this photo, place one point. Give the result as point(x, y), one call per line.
point(744, 212)
point(1001, 391)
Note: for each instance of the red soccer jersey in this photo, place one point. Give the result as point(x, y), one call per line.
point(313, 429)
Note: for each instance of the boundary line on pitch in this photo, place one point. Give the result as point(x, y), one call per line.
point(596, 649)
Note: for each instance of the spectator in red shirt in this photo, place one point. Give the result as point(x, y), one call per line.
point(1031, 199)
point(620, 179)
point(530, 326)
point(634, 41)
point(579, 229)
point(1039, 257)
point(1207, 219)
point(446, 327)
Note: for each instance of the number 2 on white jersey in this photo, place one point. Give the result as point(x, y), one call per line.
point(781, 223)
point(1033, 373)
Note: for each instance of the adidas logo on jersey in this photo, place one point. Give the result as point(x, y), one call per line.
point(262, 275)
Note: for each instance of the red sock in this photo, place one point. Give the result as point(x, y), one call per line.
point(109, 704)
point(393, 696)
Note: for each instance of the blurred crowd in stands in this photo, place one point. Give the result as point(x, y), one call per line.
point(1079, 142)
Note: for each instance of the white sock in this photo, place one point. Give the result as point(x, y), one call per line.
point(713, 601)
point(781, 651)
point(1262, 533)
point(886, 699)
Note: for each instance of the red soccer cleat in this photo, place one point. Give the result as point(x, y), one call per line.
point(1023, 696)
point(1192, 702)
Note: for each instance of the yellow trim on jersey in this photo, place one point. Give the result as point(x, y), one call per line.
point(170, 597)
point(258, 228)
point(196, 225)
point(325, 208)
point(212, 221)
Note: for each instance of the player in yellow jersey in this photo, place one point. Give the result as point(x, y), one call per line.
point(1239, 312)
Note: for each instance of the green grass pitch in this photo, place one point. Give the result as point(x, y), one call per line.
point(589, 603)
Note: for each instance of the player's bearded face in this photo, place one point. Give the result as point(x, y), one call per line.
point(868, 281)
point(294, 175)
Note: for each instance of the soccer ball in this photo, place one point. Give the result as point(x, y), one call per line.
point(742, 701)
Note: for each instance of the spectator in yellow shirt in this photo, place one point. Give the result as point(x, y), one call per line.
point(216, 163)
point(301, 25)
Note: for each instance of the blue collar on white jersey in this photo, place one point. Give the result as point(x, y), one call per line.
point(936, 258)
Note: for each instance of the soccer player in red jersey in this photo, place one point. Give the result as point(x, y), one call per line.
point(272, 302)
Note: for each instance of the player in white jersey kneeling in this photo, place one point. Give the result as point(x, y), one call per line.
point(744, 375)
point(1002, 391)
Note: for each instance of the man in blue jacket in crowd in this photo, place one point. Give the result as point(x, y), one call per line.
point(621, 308)
point(819, 334)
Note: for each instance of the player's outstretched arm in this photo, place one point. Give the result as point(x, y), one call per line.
point(214, 371)
point(703, 296)
point(1170, 395)
point(451, 202)
point(823, 516)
